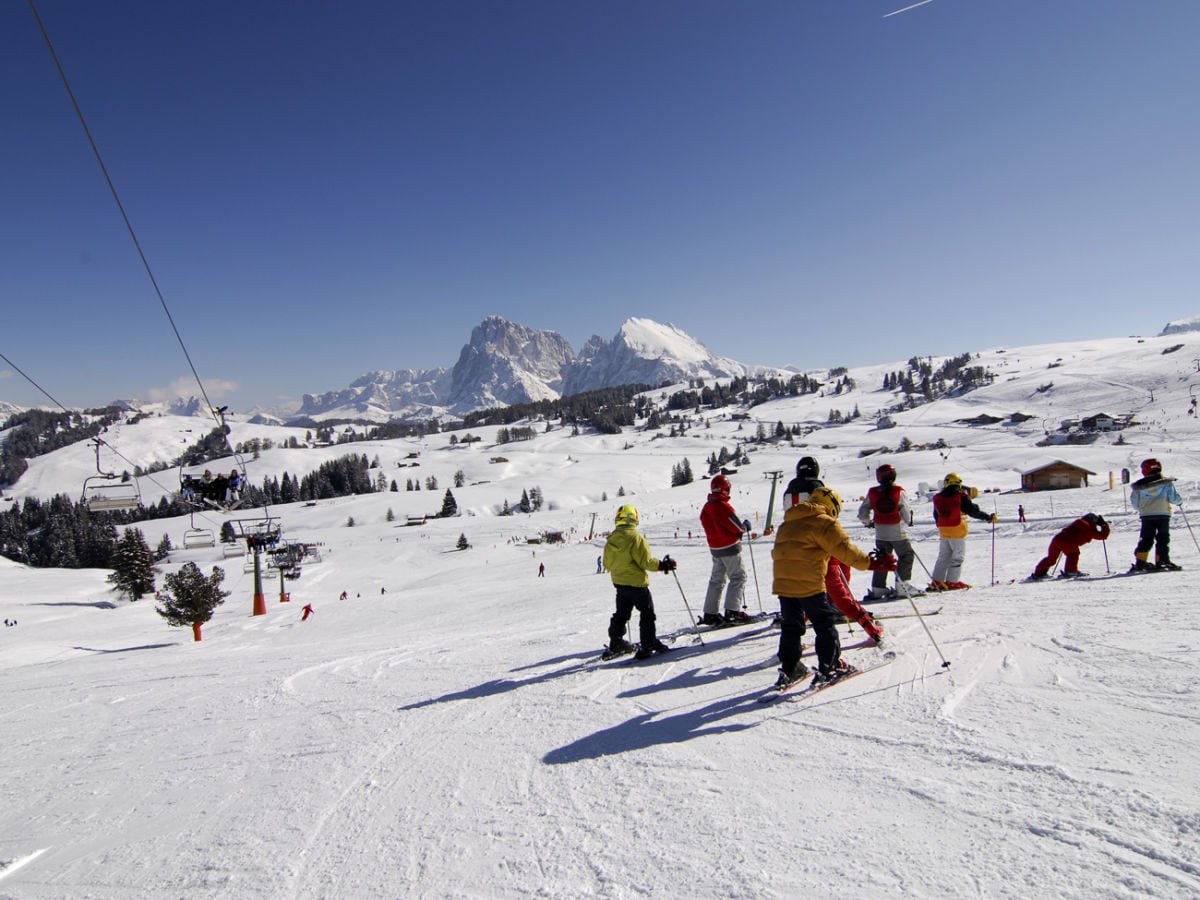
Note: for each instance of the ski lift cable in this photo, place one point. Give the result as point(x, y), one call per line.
point(217, 413)
point(121, 207)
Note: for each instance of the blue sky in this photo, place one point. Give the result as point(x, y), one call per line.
point(327, 189)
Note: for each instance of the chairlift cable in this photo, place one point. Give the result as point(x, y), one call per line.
point(217, 414)
point(121, 207)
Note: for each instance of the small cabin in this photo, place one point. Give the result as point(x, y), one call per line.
point(1100, 422)
point(1055, 476)
point(415, 520)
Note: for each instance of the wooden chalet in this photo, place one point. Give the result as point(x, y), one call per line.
point(1055, 476)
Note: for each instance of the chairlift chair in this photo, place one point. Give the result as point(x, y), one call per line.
point(109, 492)
point(198, 537)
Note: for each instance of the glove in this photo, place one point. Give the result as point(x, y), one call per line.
point(871, 525)
point(666, 564)
point(881, 562)
point(994, 519)
point(1100, 520)
point(745, 524)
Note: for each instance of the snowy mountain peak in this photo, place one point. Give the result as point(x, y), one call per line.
point(1181, 326)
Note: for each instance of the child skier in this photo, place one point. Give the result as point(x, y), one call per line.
point(1068, 541)
point(1152, 496)
point(724, 531)
point(885, 509)
point(627, 559)
point(837, 574)
point(949, 504)
point(806, 541)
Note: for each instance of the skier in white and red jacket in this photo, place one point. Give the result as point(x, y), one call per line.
point(724, 531)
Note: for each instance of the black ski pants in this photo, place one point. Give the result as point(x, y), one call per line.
point(630, 598)
point(824, 620)
point(1156, 533)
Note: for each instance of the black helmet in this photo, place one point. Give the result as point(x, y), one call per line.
point(807, 468)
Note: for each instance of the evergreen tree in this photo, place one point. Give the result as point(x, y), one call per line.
point(133, 566)
point(189, 598)
point(164, 548)
point(460, 478)
point(524, 505)
point(391, 516)
point(463, 544)
point(449, 505)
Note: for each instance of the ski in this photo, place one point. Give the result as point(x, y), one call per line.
point(754, 619)
point(607, 655)
point(909, 615)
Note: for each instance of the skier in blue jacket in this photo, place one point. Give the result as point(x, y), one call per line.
point(1152, 496)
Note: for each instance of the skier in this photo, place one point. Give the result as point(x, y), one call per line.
point(949, 504)
point(885, 508)
point(1152, 496)
point(806, 541)
point(837, 577)
point(1082, 531)
point(541, 570)
point(627, 559)
point(724, 532)
point(307, 611)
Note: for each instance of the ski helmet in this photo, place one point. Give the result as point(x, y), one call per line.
point(952, 480)
point(627, 515)
point(807, 468)
point(720, 485)
point(1091, 518)
point(828, 498)
point(885, 474)
point(1151, 467)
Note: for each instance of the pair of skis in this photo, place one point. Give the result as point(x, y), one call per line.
point(801, 689)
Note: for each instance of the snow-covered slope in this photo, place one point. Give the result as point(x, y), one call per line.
point(447, 731)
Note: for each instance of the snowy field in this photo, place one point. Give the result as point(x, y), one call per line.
point(448, 731)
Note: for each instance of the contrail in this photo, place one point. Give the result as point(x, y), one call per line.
point(907, 8)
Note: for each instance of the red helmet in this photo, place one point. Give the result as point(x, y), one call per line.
point(885, 473)
point(1151, 467)
point(720, 485)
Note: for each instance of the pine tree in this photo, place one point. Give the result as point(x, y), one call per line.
point(189, 598)
point(524, 504)
point(133, 566)
point(164, 548)
point(463, 543)
point(449, 505)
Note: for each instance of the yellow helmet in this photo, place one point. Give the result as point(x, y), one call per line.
point(828, 498)
point(627, 515)
point(951, 480)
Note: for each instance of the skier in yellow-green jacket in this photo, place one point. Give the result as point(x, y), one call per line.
point(627, 558)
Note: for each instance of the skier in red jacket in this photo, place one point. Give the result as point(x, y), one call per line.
point(724, 531)
point(1068, 541)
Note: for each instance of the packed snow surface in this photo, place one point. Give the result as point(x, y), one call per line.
point(447, 730)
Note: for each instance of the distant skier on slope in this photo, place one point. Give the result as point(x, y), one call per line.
point(949, 504)
point(1067, 542)
point(724, 531)
point(885, 508)
point(627, 559)
point(1152, 496)
point(806, 541)
point(837, 575)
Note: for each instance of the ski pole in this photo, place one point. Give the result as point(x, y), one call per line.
point(1107, 570)
point(925, 625)
point(1189, 528)
point(917, 557)
point(993, 552)
point(688, 608)
point(754, 569)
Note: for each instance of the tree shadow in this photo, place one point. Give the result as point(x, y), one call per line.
point(647, 730)
point(98, 604)
point(123, 649)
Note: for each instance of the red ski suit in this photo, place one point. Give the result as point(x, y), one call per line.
point(1068, 541)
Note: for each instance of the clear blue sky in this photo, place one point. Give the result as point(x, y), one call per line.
point(324, 189)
